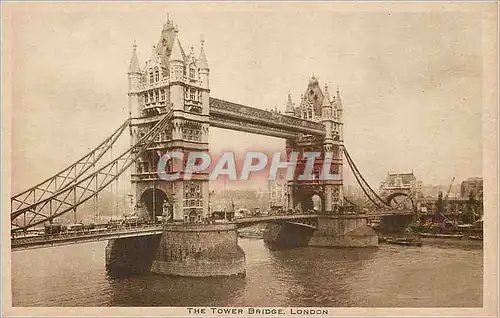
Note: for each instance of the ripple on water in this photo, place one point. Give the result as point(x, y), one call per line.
point(374, 277)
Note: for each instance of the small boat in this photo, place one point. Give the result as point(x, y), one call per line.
point(476, 237)
point(403, 242)
point(438, 235)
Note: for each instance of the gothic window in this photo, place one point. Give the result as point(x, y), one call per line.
point(192, 94)
point(192, 195)
point(157, 75)
point(151, 76)
point(192, 133)
point(147, 98)
point(154, 96)
point(162, 95)
point(192, 72)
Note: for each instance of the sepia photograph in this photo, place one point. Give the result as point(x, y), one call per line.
point(303, 159)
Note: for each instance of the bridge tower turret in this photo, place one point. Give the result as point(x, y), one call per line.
point(134, 78)
point(327, 120)
point(173, 82)
point(177, 72)
point(290, 110)
point(339, 112)
point(316, 105)
point(204, 72)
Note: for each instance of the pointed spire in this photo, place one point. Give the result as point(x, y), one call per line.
point(176, 54)
point(168, 24)
point(153, 54)
point(289, 104)
point(338, 100)
point(134, 61)
point(202, 60)
point(326, 98)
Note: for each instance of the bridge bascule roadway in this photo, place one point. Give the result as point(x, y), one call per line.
point(21, 242)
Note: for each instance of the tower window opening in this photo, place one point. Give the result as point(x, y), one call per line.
point(151, 77)
point(192, 198)
point(157, 75)
point(192, 72)
point(193, 134)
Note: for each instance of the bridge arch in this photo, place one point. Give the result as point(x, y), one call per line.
point(310, 201)
point(407, 201)
point(153, 202)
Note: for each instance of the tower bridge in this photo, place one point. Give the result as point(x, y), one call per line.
point(171, 109)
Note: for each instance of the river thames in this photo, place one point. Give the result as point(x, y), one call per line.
point(434, 275)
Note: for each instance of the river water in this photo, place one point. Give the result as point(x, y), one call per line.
point(434, 275)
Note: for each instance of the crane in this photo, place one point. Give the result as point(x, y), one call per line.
point(449, 189)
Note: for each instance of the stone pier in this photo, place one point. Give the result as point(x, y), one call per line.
point(344, 231)
point(332, 231)
point(286, 235)
point(182, 250)
point(199, 250)
point(132, 255)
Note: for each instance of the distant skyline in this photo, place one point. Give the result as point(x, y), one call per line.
point(411, 82)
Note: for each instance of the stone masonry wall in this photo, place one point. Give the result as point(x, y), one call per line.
point(199, 250)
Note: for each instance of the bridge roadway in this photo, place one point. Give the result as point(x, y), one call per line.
point(389, 213)
point(294, 218)
point(65, 238)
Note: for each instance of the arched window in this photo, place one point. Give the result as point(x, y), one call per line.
point(157, 75)
point(192, 72)
point(151, 76)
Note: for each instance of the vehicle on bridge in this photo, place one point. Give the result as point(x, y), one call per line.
point(242, 213)
point(54, 228)
point(133, 220)
point(76, 227)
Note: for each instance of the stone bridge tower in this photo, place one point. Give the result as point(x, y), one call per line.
point(317, 105)
point(172, 81)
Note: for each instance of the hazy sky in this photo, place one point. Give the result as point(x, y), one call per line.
point(410, 82)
